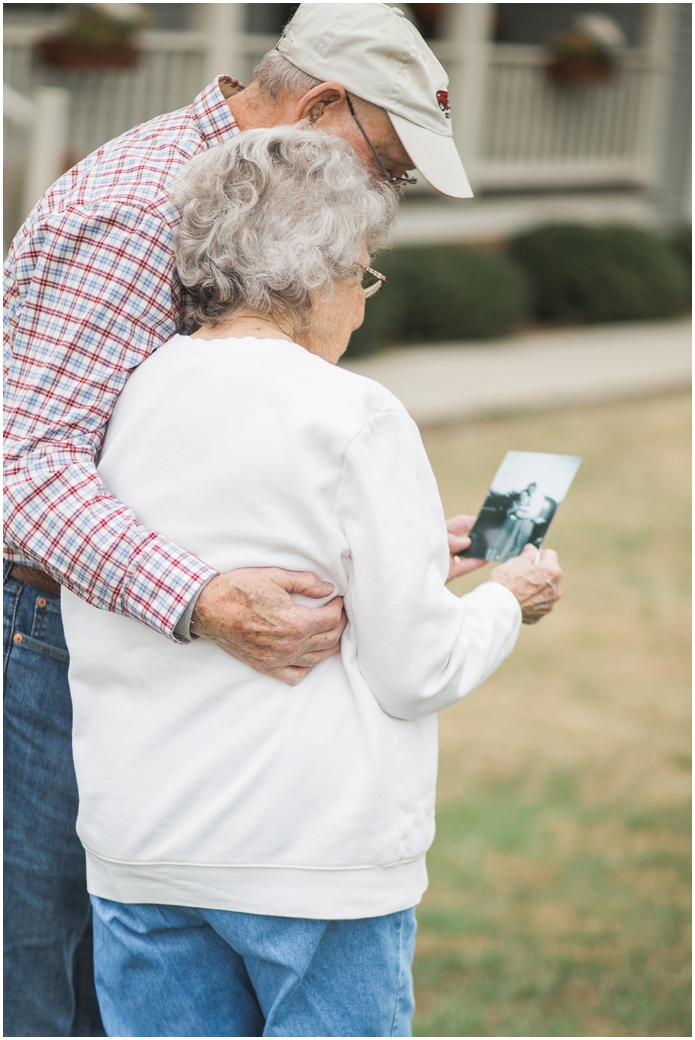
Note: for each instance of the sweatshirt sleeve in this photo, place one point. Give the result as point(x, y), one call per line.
point(420, 647)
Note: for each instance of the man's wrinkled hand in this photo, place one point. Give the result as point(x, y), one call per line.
point(458, 528)
point(534, 578)
point(250, 614)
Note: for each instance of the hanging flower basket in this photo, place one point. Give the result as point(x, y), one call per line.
point(580, 70)
point(586, 53)
point(428, 18)
point(96, 36)
point(63, 53)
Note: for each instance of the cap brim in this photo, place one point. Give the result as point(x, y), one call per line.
point(435, 157)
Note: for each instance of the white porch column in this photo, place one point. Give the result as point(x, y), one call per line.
point(223, 25)
point(49, 142)
point(659, 21)
point(468, 35)
point(668, 134)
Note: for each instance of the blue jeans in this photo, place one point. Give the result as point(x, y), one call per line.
point(49, 988)
point(180, 971)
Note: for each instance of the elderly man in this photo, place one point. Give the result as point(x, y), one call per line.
point(91, 293)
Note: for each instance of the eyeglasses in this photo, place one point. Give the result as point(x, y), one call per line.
point(372, 281)
point(397, 182)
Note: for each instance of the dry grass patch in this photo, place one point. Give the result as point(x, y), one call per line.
point(559, 890)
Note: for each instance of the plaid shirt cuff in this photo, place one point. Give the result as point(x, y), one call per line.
point(162, 581)
point(182, 632)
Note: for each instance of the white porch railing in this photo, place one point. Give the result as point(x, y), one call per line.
point(173, 68)
point(105, 103)
point(536, 133)
point(515, 128)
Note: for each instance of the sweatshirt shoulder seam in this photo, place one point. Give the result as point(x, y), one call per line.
point(363, 428)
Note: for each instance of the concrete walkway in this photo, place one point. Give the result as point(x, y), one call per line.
point(547, 369)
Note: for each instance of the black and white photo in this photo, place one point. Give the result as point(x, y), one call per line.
point(523, 498)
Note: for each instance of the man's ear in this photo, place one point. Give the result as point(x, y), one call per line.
point(314, 104)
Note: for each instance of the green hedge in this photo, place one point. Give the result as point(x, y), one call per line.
point(564, 273)
point(590, 274)
point(438, 293)
point(682, 242)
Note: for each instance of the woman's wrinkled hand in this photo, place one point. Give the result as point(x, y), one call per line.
point(534, 578)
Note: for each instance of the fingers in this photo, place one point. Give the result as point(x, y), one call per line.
point(311, 658)
point(320, 623)
point(534, 578)
point(301, 641)
point(531, 615)
point(270, 666)
point(458, 528)
point(302, 582)
point(250, 615)
point(545, 558)
point(321, 643)
point(290, 675)
point(530, 552)
point(551, 563)
point(460, 525)
point(457, 542)
point(457, 567)
point(548, 556)
point(457, 545)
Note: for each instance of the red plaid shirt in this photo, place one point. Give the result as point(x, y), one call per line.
point(91, 292)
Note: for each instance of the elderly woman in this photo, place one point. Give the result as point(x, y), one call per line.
point(255, 849)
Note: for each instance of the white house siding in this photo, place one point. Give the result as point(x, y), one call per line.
point(519, 133)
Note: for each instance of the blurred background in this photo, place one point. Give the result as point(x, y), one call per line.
point(550, 313)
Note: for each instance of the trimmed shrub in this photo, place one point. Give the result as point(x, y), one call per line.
point(438, 293)
point(588, 274)
point(682, 242)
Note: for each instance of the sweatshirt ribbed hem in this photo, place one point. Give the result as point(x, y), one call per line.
point(334, 894)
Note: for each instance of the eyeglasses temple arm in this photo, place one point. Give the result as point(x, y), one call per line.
point(387, 175)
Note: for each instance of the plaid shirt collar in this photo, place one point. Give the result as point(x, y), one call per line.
point(212, 112)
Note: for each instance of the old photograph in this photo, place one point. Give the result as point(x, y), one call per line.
point(523, 498)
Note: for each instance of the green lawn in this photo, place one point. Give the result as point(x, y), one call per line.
point(559, 878)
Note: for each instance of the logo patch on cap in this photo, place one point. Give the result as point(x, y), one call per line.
point(443, 102)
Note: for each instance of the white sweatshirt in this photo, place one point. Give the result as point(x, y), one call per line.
point(204, 783)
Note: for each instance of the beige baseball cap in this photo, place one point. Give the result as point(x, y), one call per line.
point(375, 52)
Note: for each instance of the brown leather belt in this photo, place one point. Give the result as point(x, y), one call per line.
point(33, 576)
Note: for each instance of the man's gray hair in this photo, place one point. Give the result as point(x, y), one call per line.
point(278, 76)
point(273, 217)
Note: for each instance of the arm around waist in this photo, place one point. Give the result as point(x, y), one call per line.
point(90, 296)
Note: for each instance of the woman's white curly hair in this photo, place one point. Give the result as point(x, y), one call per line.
point(274, 217)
